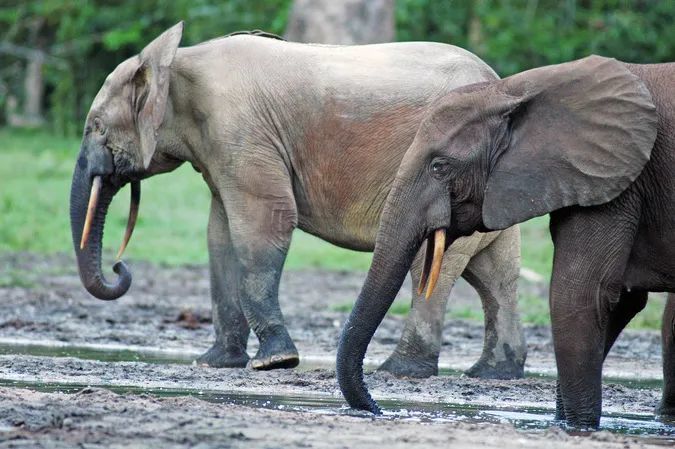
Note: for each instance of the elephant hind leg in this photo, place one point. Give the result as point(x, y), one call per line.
point(667, 406)
point(494, 272)
point(417, 352)
point(262, 215)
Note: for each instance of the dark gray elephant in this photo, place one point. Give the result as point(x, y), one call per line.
point(285, 135)
point(593, 143)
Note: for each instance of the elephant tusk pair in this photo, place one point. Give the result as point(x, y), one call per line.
point(91, 211)
point(432, 263)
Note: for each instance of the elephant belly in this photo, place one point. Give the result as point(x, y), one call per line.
point(355, 233)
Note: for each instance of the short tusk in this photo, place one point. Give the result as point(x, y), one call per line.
point(133, 215)
point(91, 210)
point(439, 250)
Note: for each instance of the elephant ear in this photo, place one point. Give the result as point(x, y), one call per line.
point(151, 87)
point(580, 133)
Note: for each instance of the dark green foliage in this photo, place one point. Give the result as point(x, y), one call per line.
point(513, 36)
point(86, 39)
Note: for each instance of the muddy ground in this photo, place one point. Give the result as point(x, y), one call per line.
point(60, 401)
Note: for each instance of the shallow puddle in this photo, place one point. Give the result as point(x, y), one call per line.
point(123, 353)
point(101, 353)
point(645, 427)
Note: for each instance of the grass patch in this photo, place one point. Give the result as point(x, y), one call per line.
point(536, 247)
point(400, 308)
point(467, 313)
point(651, 316)
point(15, 278)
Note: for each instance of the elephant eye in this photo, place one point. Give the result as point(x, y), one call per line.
point(98, 126)
point(439, 167)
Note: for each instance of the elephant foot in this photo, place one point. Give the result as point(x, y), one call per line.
point(401, 366)
point(491, 369)
point(221, 357)
point(666, 413)
point(276, 351)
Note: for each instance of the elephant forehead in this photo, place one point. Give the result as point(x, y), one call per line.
point(116, 83)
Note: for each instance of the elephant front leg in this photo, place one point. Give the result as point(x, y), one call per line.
point(619, 315)
point(494, 273)
point(417, 352)
point(667, 407)
point(231, 327)
point(588, 306)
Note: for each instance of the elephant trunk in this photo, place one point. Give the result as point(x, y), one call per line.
point(399, 237)
point(89, 196)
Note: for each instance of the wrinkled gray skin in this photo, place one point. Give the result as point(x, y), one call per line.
point(288, 135)
point(593, 143)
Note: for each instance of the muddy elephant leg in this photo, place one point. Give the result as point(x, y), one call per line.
point(667, 406)
point(494, 272)
point(231, 327)
point(262, 215)
point(417, 352)
point(590, 257)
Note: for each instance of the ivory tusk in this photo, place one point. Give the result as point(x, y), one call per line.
point(439, 250)
point(428, 253)
point(91, 210)
point(133, 215)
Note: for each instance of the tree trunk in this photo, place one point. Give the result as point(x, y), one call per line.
point(344, 22)
point(34, 90)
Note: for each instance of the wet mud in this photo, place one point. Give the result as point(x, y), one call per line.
point(77, 371)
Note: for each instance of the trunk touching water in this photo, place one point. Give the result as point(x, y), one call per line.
point(399, 237)
point(401, 233)
point(88, 250)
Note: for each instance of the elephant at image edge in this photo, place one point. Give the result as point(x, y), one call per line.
point(592, 142)
point(285, 135)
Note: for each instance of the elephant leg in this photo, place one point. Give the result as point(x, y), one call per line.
point(494, 272)
point(667, 406)
point(417, 352)
point(262, 216)
point(587, 313)
point(229, 349)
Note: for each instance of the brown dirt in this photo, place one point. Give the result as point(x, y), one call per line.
point(168, 310)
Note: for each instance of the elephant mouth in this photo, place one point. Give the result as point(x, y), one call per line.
point(91, 212)
point(433, 260)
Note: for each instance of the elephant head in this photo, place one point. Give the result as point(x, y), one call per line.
point(494, 154)
point(118, 143)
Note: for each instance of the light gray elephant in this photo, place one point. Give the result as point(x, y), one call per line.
point(286, 135)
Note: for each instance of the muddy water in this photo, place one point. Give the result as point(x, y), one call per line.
point(56, 342)
point(524, 418)
point(123, 353)
point(528, 419)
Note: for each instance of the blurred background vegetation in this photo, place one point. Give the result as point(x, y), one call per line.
point(55, 54)
point(76, 43)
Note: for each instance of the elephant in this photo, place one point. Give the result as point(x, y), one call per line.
point(591, 143)
point(286, 136)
